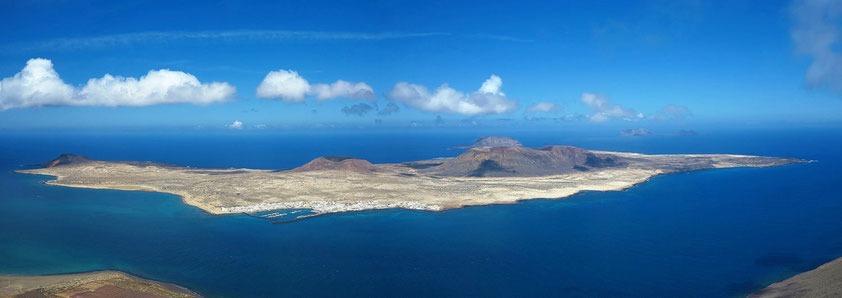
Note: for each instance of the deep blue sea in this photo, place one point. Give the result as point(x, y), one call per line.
point(712, 233)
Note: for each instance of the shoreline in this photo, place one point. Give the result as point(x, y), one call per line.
point(56, 178)
point(823, 281)
point(213, 210)
point(98, 282)
point(350, 207)
point(397, 185)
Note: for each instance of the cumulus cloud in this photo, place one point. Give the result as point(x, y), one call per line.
point(38, 84)
point(283, 84)
point(815, 32)
point(543, 107)
point(156, 87)
point(343, 89)
point(604, 110)
point(359, 109)
point(389, 109)
point(236, 125)
point(492, 86)
point(487, 100)
point(288, 85)
point(671, 112)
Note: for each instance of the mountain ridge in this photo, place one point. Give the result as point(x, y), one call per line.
point(522, 161)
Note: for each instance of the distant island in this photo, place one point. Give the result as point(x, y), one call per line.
point(492, 142)
point(635, 132)
point(642, 132)
point(493, 171)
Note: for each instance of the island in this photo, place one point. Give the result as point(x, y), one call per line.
point(90, 284)
point(481, 175)
point(491, 142)
point(825, 281)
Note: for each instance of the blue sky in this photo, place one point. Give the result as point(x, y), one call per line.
point(673, 64)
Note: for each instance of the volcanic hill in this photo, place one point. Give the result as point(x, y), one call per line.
point(337, 163)
point(522, 161)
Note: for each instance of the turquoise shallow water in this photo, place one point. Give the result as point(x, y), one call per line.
point(709, 233)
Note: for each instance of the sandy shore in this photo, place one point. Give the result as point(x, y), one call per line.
point(825, 281)
point(90, 284)
point(334, 191)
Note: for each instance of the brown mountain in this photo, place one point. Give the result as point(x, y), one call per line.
point(522, 161)
point(337, 163)
point(66, 159)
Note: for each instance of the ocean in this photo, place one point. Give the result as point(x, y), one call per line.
point(711, 233)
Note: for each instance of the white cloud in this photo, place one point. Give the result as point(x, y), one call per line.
point(487, 100)
point(156, 87)
point(236, 125)
point(288, 85)
point(38, 84)
point(604, 110)
point(260, 126)
point(343, 89)
point(816, 34)
point(492, 86)
point(543, 107)
point(283, 84)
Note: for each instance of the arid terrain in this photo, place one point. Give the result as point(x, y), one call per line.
point(481, 175)
point(92, 284)
point(825, 281)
